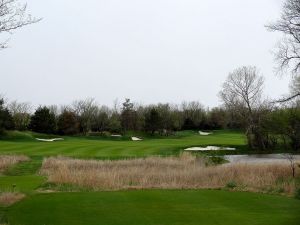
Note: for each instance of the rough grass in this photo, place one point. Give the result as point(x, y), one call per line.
point(9, 198)
point(7, 161)
point(184, 172)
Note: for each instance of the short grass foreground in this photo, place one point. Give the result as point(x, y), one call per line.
point(155, 207)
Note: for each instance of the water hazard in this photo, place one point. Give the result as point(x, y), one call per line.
point(260, 158)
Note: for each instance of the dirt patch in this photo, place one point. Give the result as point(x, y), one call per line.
point(9, 198)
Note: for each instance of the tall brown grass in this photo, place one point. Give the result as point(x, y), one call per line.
point(9, 160)
point(9, 198)
point(184, 172)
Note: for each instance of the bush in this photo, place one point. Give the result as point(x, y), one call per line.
point(217, 160)
point(231, 184)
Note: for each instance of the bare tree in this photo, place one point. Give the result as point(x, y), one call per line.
point(242, 92)
point(55, 109)
point(13, 15)
point(21, 114)
point(194, 112)
point(288, 54)
point(288, 50)
point(101, 120)
point(86, 111)
point(293, 94)
point(128, 115)
point(243, 87)
point(292, 161)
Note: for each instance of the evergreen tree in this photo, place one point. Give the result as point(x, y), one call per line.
point(43, 121)
point(152, 121)
point(6, 120)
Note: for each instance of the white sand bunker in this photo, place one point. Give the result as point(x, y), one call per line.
point(136, 139)
point(204, 133)
point(209, 148)
point(116, 135)
point(50, 140)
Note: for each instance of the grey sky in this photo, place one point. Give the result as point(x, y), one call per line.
point(148, 50)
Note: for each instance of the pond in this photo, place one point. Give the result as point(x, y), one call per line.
point(259, 158)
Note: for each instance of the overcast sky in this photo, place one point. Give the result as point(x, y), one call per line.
point(147, 50)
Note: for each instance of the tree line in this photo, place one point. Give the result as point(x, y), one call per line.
point(267, 125)
point(86, 116)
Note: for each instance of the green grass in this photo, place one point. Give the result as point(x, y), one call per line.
point(25, 168)
point(98, 147)
point(25, 184)
point(22, 177)
point(156, 207)
point(151, 207)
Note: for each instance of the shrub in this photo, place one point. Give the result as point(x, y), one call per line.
point(231, 184)
point(216, 160)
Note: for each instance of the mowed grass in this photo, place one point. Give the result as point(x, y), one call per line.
point(134, 207)
point(24, 184)
point(97, 147)
point(155, 207)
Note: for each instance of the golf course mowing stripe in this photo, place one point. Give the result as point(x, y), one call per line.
point(152, 207)
point(88, 147)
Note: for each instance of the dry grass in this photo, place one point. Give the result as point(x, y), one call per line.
point(9, 198)
point(185, 172)
point(9, 160)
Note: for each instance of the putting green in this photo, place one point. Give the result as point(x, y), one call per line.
point(155, 207)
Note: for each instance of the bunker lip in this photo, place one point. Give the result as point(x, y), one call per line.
point(204, 133)
point(136, 139)
point(210, 148)
point(49, 140)
point(116, 135)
